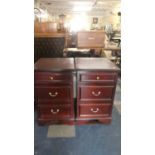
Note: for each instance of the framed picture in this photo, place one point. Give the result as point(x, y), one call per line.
point(95, 20)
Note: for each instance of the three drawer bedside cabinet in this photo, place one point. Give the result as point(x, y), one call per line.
point(74, 91)
point(96, 84)
point(53, 90)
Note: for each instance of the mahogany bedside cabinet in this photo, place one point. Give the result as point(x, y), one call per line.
point(53, 90)
point(96, 84)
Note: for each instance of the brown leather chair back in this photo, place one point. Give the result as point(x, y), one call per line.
point(48, 47)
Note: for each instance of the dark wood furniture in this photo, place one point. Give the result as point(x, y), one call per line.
point(49, 44)
point(53, 79)
point(96, 84)
point(91, 82)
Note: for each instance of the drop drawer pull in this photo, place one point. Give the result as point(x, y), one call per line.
point(51, 77)
point(55, 112)
point(95, 111)
point(97, 78)
point(96, 94)
point(53, 95)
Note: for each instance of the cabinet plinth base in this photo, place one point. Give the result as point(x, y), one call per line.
point(77, 122)
point(94, 121)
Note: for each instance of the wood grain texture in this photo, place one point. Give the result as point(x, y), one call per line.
point(50, 35)
point(98, 77)
point(90, 39)
point(98, 93)
point(52, 77)
point(54, 111)
point(96, 85)
point(54, 90)
point(96, 110)
point(54, 64)
point(95, 64)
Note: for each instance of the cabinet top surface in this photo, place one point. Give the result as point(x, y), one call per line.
point(66, 64)
point(54, 64)
point(95, 64)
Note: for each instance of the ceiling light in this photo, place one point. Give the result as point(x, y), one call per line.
point(79, 22)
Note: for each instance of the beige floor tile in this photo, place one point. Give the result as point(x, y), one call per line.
point(61, 131)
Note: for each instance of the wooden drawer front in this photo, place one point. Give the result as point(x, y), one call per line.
point(90, 39)
point(54, 111)
point(97, 77)
point(52, 77)
point(96, 102)
point(60, 93)
point(94, 110)
point(96, 92)
point(53, 102)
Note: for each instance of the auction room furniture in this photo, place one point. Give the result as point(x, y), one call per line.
point(54, 90)
point(88, 44)
point(90, 39)
point(90, 82)
point(93, 40)
point(96, 84)
point(49, 45)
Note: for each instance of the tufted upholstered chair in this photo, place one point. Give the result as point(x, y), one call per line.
point(48, 47)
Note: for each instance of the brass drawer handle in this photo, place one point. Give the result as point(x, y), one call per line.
point(51, 77)
point(53, 95)
point(97, 78)
point(95, 111)
point(96, 94)
point(55, 112)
